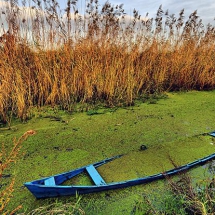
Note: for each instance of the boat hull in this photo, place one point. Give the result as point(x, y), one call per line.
point(41, 190)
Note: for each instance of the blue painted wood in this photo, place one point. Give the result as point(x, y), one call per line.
point(50, 181)
point(212, 134)
point(40, 190)
point(96, 177)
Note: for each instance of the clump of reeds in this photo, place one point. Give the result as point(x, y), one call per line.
point(198, 199)
point(181, 196)
point(55, 57)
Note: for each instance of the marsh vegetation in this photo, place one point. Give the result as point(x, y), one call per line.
point(169, 127)
point(55, 61)
point(60, 57)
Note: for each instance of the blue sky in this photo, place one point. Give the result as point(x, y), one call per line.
point(205, 8)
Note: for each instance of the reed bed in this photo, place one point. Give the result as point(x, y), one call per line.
point(60, 57)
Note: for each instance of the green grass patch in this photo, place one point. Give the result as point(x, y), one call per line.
point(171, 127)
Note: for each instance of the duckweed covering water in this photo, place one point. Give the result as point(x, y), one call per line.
point(170, 127)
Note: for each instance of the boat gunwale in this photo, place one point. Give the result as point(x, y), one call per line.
point(162, 174)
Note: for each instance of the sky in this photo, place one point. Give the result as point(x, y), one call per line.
point(205, 8)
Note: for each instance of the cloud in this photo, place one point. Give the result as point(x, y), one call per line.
point(25, 18)
point(3, 3)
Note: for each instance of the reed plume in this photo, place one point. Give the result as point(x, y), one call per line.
point(51, 56)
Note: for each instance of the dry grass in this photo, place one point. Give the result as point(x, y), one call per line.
point(61, 58)
point(59, 209)
point(197, 200)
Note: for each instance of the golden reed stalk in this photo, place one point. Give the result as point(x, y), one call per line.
point(51, 58)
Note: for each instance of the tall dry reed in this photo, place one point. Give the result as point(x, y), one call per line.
point(56, 57)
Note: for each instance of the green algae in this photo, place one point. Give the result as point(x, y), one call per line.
point(170, 128)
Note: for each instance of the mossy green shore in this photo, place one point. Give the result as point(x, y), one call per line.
point(169, 127)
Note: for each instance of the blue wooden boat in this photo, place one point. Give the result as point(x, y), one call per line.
point(212, 134)
point(52, 186)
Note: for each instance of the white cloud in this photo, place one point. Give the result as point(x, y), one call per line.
point(3, 3)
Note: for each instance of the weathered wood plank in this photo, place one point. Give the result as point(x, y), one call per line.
point(96, 177)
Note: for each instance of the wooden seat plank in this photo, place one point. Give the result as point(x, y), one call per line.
point(96, 177)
